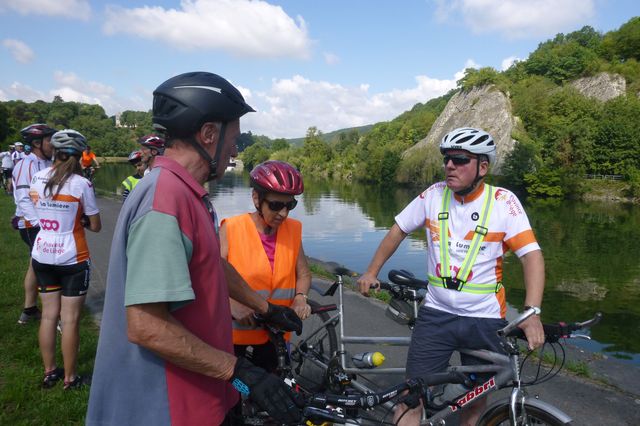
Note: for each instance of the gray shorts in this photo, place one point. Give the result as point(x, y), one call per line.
point(438, 334)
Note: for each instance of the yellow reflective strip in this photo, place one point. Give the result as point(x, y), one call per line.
point(478, 238)
point(474, 288)
point(444, 234)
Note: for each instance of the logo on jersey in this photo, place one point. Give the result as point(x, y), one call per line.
point(475, 216)
point(33, 195)
point(49, 225)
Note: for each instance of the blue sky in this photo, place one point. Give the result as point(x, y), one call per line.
point(300, 63)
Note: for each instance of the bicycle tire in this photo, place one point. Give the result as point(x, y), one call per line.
point(499, 415)
point(322, 346)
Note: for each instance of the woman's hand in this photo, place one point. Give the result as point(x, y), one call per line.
point(301, 307)
point(242, 314)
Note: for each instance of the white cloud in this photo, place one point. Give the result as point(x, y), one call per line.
point(72, 88)
point(291, 106)
point(75, 9)
point(331, 58)
point(20, 51)
point(241, 27)
point(517, 18)
point(507, 62)
point(22, 92)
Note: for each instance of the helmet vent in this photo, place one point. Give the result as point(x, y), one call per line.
point(481, 140)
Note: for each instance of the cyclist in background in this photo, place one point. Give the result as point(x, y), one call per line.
point(165, 352)
point(135, 159)
point(18, 154)
point(26, 217)
point(65, 203)
point(151, 147)
point(265, 247)
point(89, 163)
point(469, 227)
point(7, 168)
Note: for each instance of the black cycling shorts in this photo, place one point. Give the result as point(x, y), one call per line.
point(72, 280)
point(28, 235)
point(7, 173)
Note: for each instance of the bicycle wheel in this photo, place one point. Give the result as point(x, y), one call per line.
point(318, 342)
point(531, 416)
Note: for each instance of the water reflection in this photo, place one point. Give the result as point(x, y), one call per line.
point(591, 249)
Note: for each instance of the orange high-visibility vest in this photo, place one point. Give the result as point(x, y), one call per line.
point(247, 255)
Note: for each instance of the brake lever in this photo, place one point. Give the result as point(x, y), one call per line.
point(579, 336)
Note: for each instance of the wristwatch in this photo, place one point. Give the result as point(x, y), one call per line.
point(536, 309)
point(303, 295)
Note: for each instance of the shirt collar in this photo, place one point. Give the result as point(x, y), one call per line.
point(473, 195)
point(175, 168)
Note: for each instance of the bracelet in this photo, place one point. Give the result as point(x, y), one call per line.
point(303, 295)
point(537, 309)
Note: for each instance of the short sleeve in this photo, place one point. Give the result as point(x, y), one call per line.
point(414, 215)
point(158, 255)
point(89, 203)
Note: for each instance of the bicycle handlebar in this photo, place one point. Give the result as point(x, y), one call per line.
point(552, 332)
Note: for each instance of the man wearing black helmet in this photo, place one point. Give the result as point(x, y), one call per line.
point(469, 228)
point(165, 348)
point(26, 218)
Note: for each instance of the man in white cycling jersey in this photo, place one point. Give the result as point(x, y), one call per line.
point(26, 218)
point(469, 227)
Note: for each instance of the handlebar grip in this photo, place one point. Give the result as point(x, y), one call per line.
point(383, 285)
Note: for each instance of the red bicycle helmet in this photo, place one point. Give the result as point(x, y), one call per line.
point(152, 141)
point(277, 176)
point(36, 131)
point(135, 157)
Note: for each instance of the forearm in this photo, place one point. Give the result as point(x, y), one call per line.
point(303, 273)
point(533, 269)
point(154, 328)
point(240, 291)
point(385, 250)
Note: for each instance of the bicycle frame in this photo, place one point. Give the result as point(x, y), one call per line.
point(504, 370)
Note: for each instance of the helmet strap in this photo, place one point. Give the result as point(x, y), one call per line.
point(213, 162)
point(474, 184)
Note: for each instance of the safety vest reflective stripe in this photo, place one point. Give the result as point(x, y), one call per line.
point(480, 232)
point(469, 287)
point(470, 259)
point(130, 183)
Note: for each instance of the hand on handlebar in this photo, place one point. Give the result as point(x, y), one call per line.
point(533, 331)
point(365, 282)
point(268, 391)
point(301, 307)
point(284, 318)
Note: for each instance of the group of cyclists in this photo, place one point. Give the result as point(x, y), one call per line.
point(179, 339)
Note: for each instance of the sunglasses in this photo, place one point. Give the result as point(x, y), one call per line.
point(458, 159)
point(276, 206)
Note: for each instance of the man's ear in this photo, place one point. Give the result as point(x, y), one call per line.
point(209, 133)
point(484, 168)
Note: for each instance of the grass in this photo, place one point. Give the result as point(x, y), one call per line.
point(22, 401)
point(319, 271)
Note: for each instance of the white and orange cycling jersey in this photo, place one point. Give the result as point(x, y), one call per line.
point(508, 229)
point(61, 240)
point(23, 173)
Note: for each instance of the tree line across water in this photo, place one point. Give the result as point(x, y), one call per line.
point(564, 135)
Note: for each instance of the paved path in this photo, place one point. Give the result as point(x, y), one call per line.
point(587, 402)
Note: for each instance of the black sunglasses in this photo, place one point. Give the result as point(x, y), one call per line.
point(276, 206)
point(458, 159)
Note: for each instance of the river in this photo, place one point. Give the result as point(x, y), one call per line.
point(591, 250)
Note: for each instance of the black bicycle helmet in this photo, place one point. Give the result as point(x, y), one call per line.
point(184, 102)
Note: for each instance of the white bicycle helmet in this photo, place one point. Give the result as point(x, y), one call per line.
point(475, 141)
point(70, 141)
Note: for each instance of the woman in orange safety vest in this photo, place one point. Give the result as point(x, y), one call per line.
point(265, 247)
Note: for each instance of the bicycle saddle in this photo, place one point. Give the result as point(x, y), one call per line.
point(406, 278)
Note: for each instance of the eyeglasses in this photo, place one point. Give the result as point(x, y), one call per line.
point(276, 206)
point(458, 159)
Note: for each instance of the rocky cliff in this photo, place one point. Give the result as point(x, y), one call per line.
point(483, 107)
point(603, 86)
point(489, 109)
